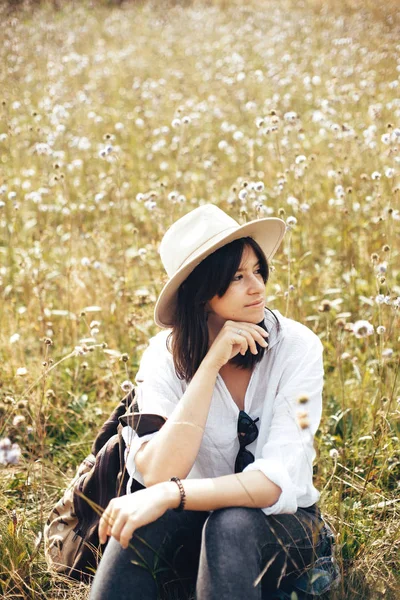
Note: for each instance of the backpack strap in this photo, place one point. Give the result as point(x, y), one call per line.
point(110, 427)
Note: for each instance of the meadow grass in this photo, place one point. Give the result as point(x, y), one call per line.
point(115, 121)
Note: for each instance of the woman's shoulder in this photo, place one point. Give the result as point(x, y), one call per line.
point(290, 332)
point(159, 340)
point(157, 349)
point(156, 355)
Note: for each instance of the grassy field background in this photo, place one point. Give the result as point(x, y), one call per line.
point(114, 121)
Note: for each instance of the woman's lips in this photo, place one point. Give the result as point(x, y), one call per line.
point(255, 305)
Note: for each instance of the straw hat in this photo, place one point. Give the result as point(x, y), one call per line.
point(196, 235)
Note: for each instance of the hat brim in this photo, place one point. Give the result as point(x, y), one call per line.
point(268, 233)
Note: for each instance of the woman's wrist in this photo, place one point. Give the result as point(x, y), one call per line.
point(172, 494)
point(208, 365)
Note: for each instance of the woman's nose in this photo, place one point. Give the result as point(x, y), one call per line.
point(256, 283)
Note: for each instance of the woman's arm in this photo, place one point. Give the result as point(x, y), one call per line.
point(127, 513)
point(251, 489)
point(173, 451)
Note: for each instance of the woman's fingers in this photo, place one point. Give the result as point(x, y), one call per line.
point(242, 333)
point(104, 524)
point(262, 339)
point(107, 521)
point(251, 334)
point(127, 532)
point(119, 525)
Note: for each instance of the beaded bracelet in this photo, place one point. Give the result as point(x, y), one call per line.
point(182, 493)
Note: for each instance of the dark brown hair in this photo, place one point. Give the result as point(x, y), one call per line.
point(188, 340)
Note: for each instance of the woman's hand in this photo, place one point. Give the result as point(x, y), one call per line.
point(125, 514)
point(235, 337)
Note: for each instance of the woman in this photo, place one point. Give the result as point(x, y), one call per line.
point(240, 387)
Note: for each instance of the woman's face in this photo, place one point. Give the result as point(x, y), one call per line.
point(244, 298)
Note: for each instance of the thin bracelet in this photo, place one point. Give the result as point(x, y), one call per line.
point(182, 493)
point(187, 423)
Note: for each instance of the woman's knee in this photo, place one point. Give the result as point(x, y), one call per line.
point(119, 572)
point(232, 527)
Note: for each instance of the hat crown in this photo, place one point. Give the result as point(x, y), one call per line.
point(187, 235)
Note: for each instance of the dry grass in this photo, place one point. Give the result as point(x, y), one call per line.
point(97, 159)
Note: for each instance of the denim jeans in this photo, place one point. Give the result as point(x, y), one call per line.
point(231, 553)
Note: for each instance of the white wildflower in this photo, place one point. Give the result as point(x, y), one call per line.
point(5, 444)
point(292, 201)
point(9, 453)
point(80, 350)
point(238, 136)
point(150, 204)
point(14, 338)
point(172, 196)
point(389, 172)
point(362, 329)
point(243, 195)
point(290, 116)
point(339, 191)
point(18, 420)
point(127, 386)
point(22, 371)
point(381, 268)
point(387, 353)
point(43, 149)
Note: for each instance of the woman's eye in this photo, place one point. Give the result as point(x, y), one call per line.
point(237, 277)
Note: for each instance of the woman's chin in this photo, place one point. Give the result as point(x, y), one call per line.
point(254, 314)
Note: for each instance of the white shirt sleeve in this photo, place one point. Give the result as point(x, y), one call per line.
point(288, 454)
point(159, 389)
point(158, 392)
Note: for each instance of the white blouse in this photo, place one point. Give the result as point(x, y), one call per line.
point(291, 367)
